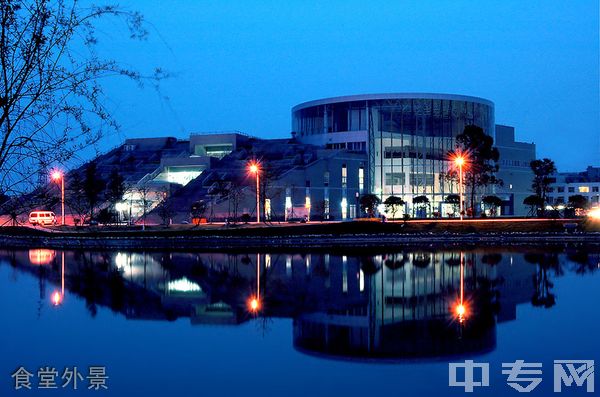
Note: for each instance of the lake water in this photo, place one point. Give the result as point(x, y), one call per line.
point(293, 324)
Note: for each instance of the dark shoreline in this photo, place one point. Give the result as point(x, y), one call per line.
point(297, 243)
point(355, 235)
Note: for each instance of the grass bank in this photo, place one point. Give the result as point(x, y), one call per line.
point(312, 235)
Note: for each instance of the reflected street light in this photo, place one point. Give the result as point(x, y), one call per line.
point(58, 176)
point(461, 309)
point(254, 168)
point(57, 297)
point(254, 301)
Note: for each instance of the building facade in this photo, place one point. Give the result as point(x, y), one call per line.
point(340, 149)
point(567, 184)
point(515, 170)
point(406, 137)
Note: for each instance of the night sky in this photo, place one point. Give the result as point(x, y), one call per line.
point(242, 65)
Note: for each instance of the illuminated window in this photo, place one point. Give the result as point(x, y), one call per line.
point(361, 180)
point(584, 189)
point(344, 274)
point(344, 176)
point(326, 208)
point(361, 280)
point(344, 208)
point(180, 175)
point(268, 209)
point(326, 178)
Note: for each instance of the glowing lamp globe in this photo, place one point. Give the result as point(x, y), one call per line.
point(56, 175)
point(254, 305)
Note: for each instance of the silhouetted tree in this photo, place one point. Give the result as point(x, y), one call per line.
point(482, 162)
point(115, 188)
point(165, 208)
point(51, 92)
point(391, 205)
point(421, 202)
point(493, 202)
point(75, 198)
point(578, 201)
point(535, 204)
point(454, 200)
point(198, 209)
point(93, 185)
point(542, 172)
point(368, 203)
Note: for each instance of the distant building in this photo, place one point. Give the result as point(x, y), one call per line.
point(515, 170)
point(341, 148)
point(406, 137)
point(566, 184)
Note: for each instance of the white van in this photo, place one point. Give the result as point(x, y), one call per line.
point(42, 218)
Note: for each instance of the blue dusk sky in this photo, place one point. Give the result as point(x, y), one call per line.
point(242, 65)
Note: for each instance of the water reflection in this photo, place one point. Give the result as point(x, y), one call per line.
point(400, 305)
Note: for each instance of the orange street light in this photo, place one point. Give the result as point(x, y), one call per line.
point(58, 176)
point(459, 161)
point(254, 168)
point(254, 305)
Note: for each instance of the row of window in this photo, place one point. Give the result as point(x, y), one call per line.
point(410, 116)
point(353, 146)
point(398, 178)
point(580, 189)
point(562, 200)
point(515, 163)
point(412, 152)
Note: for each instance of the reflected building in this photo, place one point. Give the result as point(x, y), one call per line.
point(399, 305)
point(406, 311)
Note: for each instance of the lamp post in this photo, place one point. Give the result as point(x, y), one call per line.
point(59, 176)
point(255, 169)
point(460, 162)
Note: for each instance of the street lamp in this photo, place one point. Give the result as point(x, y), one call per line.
point(254, 168)
point(460, 160)
point(56, 177)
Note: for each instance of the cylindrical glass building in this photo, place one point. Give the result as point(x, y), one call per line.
point(406, 136)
